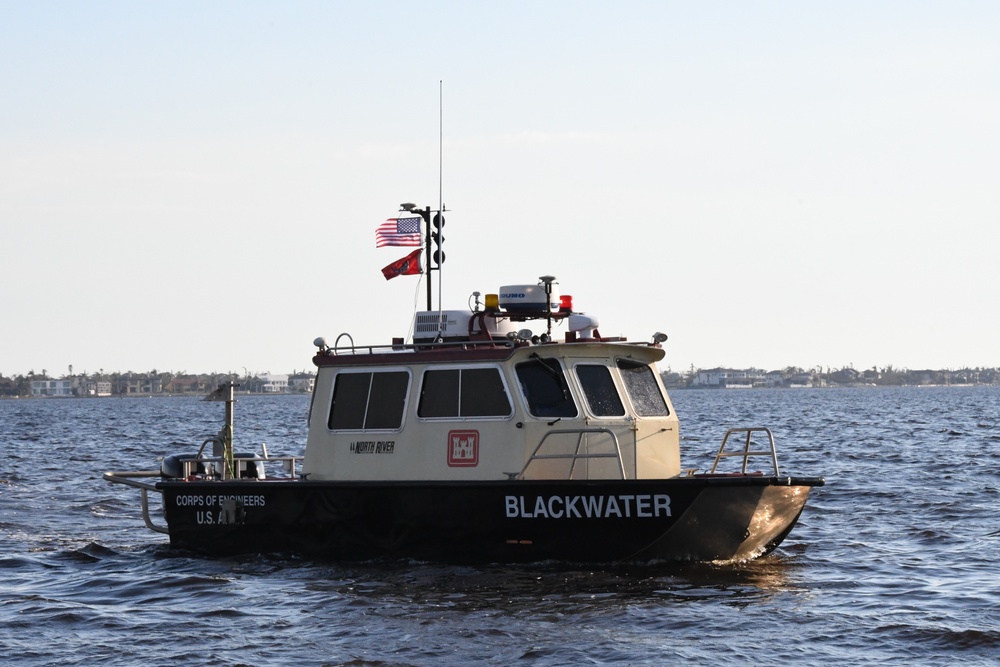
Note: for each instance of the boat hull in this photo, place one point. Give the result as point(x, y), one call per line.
point(700, 518)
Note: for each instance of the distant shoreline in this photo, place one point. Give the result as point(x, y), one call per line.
point(153, 383)
point(200, 397)
point(239, 396)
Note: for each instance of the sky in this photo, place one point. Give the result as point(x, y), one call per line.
point(195, 187)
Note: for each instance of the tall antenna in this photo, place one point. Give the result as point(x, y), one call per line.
point(440, 197)
point(435, 237)
point(440, 145)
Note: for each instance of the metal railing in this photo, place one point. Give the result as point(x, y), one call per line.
point(746, 452)
point(145, 480)
point(210, 467)
point(351, 348)
point(576, 455)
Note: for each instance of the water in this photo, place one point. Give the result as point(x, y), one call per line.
point(893, 562)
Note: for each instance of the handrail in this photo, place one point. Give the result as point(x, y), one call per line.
point(617, 454)
point(746, 453)
point(414, 347)
point(336, 343)
point(131, 478)
point(140, 478)
point(190, 461)
point(147, 519)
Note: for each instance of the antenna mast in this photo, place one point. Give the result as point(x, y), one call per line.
point(435, 222)
point(440, 201)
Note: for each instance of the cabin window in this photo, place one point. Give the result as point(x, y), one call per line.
point(463, 392)
point(599, 390)
point(369, 401)
point(644, 392)
point(545, 389)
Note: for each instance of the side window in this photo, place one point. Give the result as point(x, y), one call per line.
point(483, 393)
point(466, 392)
point(439, 394)
point(350, 401)
point(599, 390)
point(545, 388)
point(642, 389)
point(368, 401)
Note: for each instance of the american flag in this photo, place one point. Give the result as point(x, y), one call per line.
point(398, 231)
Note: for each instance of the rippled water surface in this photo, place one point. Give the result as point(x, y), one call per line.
point(893, 562)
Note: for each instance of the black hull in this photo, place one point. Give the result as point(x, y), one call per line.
point(684, 519)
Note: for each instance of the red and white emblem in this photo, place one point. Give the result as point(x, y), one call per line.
point(463, 448)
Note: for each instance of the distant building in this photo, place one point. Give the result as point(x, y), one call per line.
point(301, 382)
point(727, 378)
point(845, 376)
point(144, 385)
point(52, 388)
point(801, 380)
point(775, 379)
point(96, 388)
point(672, 379)
point(273, 384)
point(186, 384)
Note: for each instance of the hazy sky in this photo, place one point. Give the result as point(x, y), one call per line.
point(195, 186)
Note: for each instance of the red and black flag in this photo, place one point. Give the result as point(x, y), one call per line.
point(405, 266)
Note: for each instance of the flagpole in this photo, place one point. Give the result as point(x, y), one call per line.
point(426, 215)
